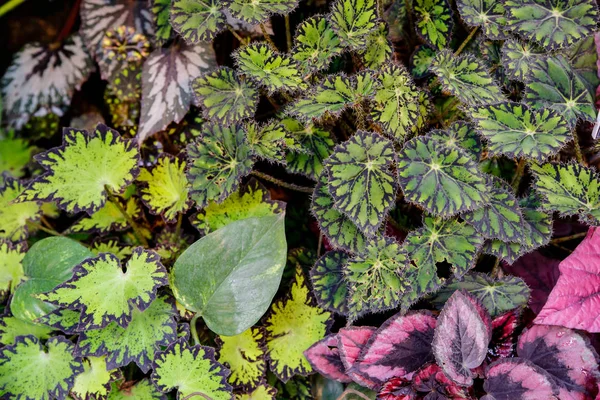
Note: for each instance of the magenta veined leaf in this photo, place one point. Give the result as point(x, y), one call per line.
point(575, 300)
point(516, 379)
point(351, 341)
point(431, 379)
point(324, 357)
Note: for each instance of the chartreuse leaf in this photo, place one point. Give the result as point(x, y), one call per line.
point(190, 369)
point(434, 22)
point(197, 20)
point(62, 319)
point(113, 247)
point(161, 13)
point(293, 325)
point(329, 285)
point(379, 48)
point(165, 188)
point(95, 380)
point(513, 129)
point(267, 68)
point(462, 135)
point(224, 97)
point(552, 82)
point(11, 328)
point(268, 141)
point(14, 156)
point(107, 219)
point(231, 275)
point(142, 390)
point(257, 11)
point(78, 171)
point(253, 200)
point(316, 44)
point(552, 23)
point(339, 229)
point(517, 58)
point(353, 21)
point(262, 391)
point(466, 77)
point(217, 161)
point(244, 355)
point(138, 342)
point(444, 180)
point(105, 292)
point(375, 278)
point(420, 61)
point(11, 266)
point(51, 369)
point(490, 15)
point(14, 215)
point(316, 144)
point(361, 181)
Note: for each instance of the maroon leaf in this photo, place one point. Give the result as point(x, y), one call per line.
point(516, 379)
point(461, 338)
point(325, 359)
point(350, 343)
point(565, 355)
point(575, 300)
point(432, 380)
point(397, 389)
point(399, 347)
point(503, 336)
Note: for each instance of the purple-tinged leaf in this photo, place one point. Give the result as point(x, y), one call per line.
point(481, 310)
point(503, 336)
point(324, 357)
point(398, 348)
point(516, 379)
point(565, 355)
point(575, 300)
point(431, 379)
point(461, 338)
point(397, 389)
point(350, 343)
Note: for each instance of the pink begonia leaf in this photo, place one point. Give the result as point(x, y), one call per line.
point(461, 338)
point(431, 379)
point(350, 343)
point(503, 340)
point(540, 273)
point(565, 355)
point(325, 359)
point(398, 348)
point(517, 379)
point(575, 300)
point(397, 389)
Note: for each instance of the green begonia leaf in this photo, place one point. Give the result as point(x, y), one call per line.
point(231, 275)
point(197, 20)
point(142, 390)
point(161, 13)
point(47, 264)
point(11, 266)
point(217, 161)
point(107, 219)
point(147, 331)
point(244, 355)
point(552, 23)
point(316, 44)
point(106, 293)
point(262, 392)
point(421, 60)
point(165, 188)
point(516, 131)
point(293, 324)
point(78, 171)
point(583, 57)
point(462, 135)
point(552, 82)
point(15, 154)
point(329, 285)
point(361, 180)
point(517, 58)
point(257, 11)
point(50, 372)
point(113, 247)
point(190, 369)
point(14, 215)
point(268, 141)
point(375, 278)
point(379, 49)
point(269, 69)
point(434, 22)
point(224, 97)
point(316, 144)
point(497, 295)
point(467, 78)
point(490, 15)
point(11, 328)
point(95, 381)
point(444, 180)
point(62, 319)
point(353, 21)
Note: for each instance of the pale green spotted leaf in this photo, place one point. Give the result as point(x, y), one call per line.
point(490, 15)
point(293, 324)
point(224, 97)
point(11, 328)
point(258, 11)
point(160, 12)
point(217, 161)
point(262, 392)
point(514, 130)
point(361, 180)
point(421, 60)
point(244, 355)
point(315, 44)
point(78, 171)
point(62, 319)
point(353, 21)
point(268, 141)
point(316, 144)
point(462, 135)
point(269, 69)
point(51, 369)
point(113, 247)
point(107, 219)
point(552, 82)
point(517, 58)
point(197, 20)
point(11, 266)
point(444, 180)
point(329, 285)
point(147, 331)
point(14, 215)
point(95, 381)
point(434, 22)
point(552, 23)
point(190, 369)
point(396, 102)
point(379, 48)
point(15, 154)
point(165, 189)
point(142, 390)
point(105, 292)
point(467, 78)
point(336, 226)
point(375, 278)
point(570, 189)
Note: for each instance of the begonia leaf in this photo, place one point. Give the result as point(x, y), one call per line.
point(197, 20)
point(329, 286)
point(11, 266)
point(324, 357)
point(434, 22)
point(95, 382)
point(14, 215)
point(516, 378)
point(353, 21)
point(245, 356)
point(316, 44)
point(490, 15)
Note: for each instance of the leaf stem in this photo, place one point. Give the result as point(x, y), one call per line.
point(136, 228)
point(578, 153)
point(68, 26)
point(281, 183)
point(411, 29)
point(193, 329)
point(496, 269)
point(178, 226)
point(288, 33)
point(568, 238)
point(189, 396)
point(267, 37)
point(9, 5)
point(236, 35)
point(518, 175)
point(380, 8)
point(43, 228)
point(466, 41)
point(354, 392)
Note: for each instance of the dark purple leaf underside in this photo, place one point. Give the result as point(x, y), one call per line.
point(325, 359)
point(431, 379)
point(516, 379)
point(350, 343)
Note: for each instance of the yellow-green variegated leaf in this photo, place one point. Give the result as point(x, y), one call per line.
point(361, 180)
point(489, 15)
point(258, 11)
point(315, 145)
point(11, 266)
point(462, 135)
point(316, 44)
point(244, 355)
point(14, 215)
point(107, 219)
point(113, 247)
point(197, 20)
point(379, 49)
point(434, 22)
point(11, 328)
point(353, 21)
point(262, 392)
point(293, 324)
point(95, 381)
point(15, 154)
point(517, 58)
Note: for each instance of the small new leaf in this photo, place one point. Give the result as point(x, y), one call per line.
point(353, 21)
point(197, 20)
point(434, 22)
point(161, 14)
point(108, 219)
